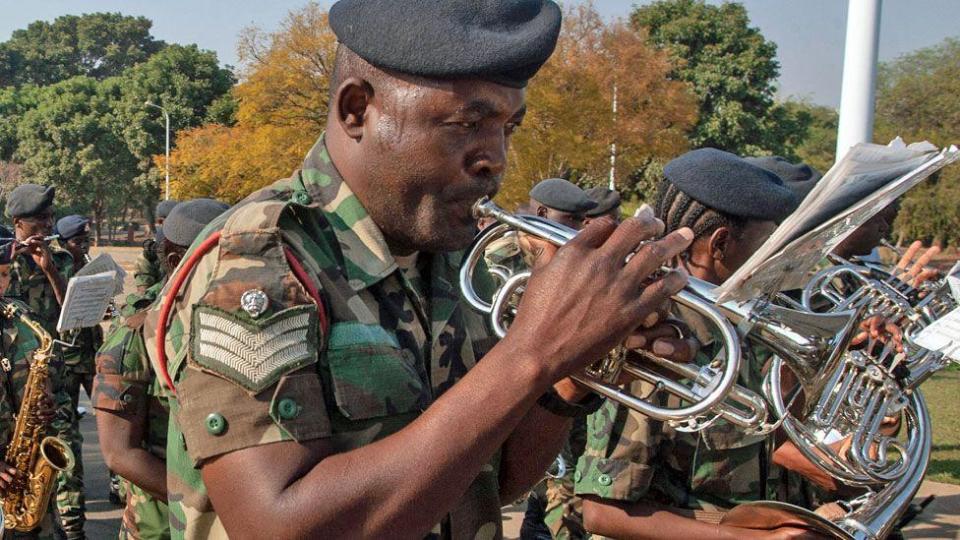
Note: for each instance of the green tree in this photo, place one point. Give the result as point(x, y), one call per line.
point(733, 70)
point(918, 98)
point(97, 45)
point(819, 148)
point(73, 140)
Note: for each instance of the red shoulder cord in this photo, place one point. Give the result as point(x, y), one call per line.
point(185, 270)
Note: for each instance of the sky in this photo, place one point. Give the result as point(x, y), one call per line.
point(809, 33)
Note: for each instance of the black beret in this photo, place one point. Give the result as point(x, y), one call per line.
point(799, 177)
point(728, 183)
point(164, 207)
point(504, 41)
point(561, 195)
point(29, 199)
point(70, 226)
point(188, 218)
point(606, 199)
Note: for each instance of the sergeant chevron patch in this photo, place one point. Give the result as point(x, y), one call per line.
point(254, 353)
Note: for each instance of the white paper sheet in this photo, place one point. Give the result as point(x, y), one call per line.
point(943, 335)
point(86, 301)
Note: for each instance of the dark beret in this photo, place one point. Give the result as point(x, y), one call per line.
point(728, 183)
point(164, 207)
point(188, 218)
point(799, 177)
point(561, 195)
point(504, 41)
point(70, 226)
point(606, 199)
point(29, 199)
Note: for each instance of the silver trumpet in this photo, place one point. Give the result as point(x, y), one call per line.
point(711, 391)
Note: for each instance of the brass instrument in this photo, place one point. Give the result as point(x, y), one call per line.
point(711, 390)
point(851, 397)
point(36, 457)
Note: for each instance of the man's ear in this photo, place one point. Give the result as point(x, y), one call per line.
point(173, 259)
point(719, 243)
point(351, 102)
point(542, 211)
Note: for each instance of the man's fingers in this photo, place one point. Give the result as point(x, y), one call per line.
point(642, 227)
point(595, 233)
point(659, 292)
point(682, 351)
point(547, 252)
point(909, 255)
point(928, 274)
point(654, 255)
point(924, 260)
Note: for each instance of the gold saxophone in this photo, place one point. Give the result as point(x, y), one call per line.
point(36, 457)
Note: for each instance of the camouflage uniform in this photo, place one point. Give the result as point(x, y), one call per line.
point(630, 457)
point(18, 343)
point(396, 341)
point(29, 285)
point(126, 382)
point(147, 271)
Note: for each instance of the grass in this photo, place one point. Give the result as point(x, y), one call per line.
point(942, 393)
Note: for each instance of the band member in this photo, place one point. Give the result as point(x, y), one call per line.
point(133, 412)
point(148, 270)
point(323, 362)
point(39, 275)
point(608, 204)
point(74, 233)
point(18, 343)
point(644, 479)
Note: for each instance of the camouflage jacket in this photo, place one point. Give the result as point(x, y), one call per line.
point(630, 457)
point(147, 271)
point(18, 343)
point(29, 285)
point(253, 366)
point(125, 381)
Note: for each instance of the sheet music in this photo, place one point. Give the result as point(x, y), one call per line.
point(943, 335)
point(86, 301)
point(104, 263)
point(880, 173)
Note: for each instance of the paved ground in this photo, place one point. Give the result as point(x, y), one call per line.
point(940, 520)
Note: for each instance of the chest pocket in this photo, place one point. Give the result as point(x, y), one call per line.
point(370, 375)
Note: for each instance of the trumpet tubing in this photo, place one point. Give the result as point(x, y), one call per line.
point(714, 393)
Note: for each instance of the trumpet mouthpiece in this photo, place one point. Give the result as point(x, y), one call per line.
point(483, 208)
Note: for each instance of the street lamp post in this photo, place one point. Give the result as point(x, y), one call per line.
point(166, 117)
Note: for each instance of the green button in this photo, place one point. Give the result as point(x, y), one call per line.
point(301, 197)
point(577, 476)
point(288, 409)
point(216, 424)
point(604, 480)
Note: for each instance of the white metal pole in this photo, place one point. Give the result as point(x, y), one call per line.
point(859, 74)
point(613, 143)
point(167, 158)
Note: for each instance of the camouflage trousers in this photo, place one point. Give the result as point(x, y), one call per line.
point(71, 502)
point(144, 517)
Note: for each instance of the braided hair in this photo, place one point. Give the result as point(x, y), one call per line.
point(677, 210)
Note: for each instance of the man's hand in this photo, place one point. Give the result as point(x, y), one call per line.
point(878, 329)
point(913, 269)
point(40, 251)
point(588, 297)
point(7, 475)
